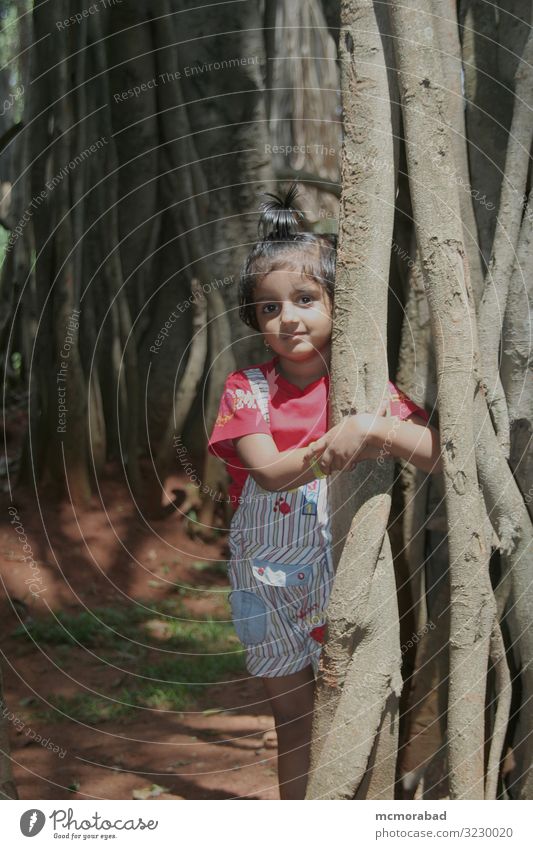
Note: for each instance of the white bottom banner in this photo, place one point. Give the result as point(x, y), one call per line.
point(255, 824)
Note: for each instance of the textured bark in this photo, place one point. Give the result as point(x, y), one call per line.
point(227, 112)
point(38, 328)
point(416, 377)
point(493, 36)
point(182, 187)
point(422, 755)
point(511, 521)
point(303, 102)
point(184, 210)
point(447, 32)
point(494, 300)
point(503, 691)
point(509, 498)
point(364, 594)
point(109, 227)
point(517, 360)
point(68, 453)
point(425, 720)
point(439, 235)
point(186, 389)
point(219, 345)
point(131, 60)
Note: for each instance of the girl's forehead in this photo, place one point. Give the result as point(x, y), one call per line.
point(285, 281)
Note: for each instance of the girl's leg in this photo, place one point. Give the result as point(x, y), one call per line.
point(292, 700)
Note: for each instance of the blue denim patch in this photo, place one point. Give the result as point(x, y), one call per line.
point(249, 616)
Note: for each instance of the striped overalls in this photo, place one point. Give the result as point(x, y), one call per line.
point(281, 568)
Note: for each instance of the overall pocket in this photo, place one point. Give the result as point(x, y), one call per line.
point(249, 614)
point(282, 574)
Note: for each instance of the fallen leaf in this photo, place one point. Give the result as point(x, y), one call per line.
point(150, 792)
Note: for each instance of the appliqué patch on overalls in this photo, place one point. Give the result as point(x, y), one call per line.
point(281, 574)
point(318, 633)
point(281, 505)
point(310, 499)
point(312, 616)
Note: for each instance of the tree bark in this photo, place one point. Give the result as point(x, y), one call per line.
point(517, 360)
point(494, 300)
point(493, 37)
point(68, 456)
point(447, 34)
point(186, 390)
point(511, 521)
point(364, 592)
point(446, 277)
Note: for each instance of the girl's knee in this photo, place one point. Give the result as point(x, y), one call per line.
point(292, 713)
point(294, 725)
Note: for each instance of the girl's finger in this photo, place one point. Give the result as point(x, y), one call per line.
point(325, 460)
point(315, 449)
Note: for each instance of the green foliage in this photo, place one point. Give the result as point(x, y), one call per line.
point(12, 61)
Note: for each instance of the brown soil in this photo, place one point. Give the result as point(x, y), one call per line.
point(110, 554)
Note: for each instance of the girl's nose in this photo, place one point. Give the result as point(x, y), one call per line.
point(288, 312)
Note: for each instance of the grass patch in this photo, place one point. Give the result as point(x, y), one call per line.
point(119, 628)
point(87, 628)
point(200, 653)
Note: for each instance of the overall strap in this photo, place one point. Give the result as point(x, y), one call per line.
point(259, 385)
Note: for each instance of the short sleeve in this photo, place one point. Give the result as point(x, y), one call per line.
point(402, 406)
point(238, 415)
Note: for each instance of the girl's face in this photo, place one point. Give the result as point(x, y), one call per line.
point(294, 314)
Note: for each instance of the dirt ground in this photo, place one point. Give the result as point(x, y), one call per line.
point(110, 555)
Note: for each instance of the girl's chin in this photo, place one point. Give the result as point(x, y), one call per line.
point(298, 352)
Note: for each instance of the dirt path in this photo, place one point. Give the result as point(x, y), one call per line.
point(71, 730)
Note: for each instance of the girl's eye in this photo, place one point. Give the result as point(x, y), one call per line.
point(266, 308)
point(309, 298)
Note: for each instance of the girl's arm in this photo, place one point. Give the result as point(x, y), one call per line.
point(359, 437)
point(412, 439)
point(278, 471)
point(273, 470)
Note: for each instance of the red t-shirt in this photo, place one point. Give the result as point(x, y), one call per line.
point(297, 416)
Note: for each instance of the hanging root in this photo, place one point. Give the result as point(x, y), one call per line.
point(503, 694)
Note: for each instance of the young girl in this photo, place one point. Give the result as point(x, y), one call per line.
point(271, 429)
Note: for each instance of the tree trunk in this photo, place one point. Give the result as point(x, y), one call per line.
point(447, 35)
point(364, 592)
point(492, 306)
point(440, 241)
point(68, 456)
point(493, 37)
point(517, 360)
point(8, 789)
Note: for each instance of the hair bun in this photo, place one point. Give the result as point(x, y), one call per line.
point(279, 219)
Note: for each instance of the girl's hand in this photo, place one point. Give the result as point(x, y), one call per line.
point(343, 445)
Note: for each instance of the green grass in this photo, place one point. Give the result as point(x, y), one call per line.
point(194, 653)
point(83, 627)
point(116, 627)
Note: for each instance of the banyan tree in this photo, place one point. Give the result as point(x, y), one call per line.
point(135, 146)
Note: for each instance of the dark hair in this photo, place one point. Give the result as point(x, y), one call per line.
point(285, 245)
